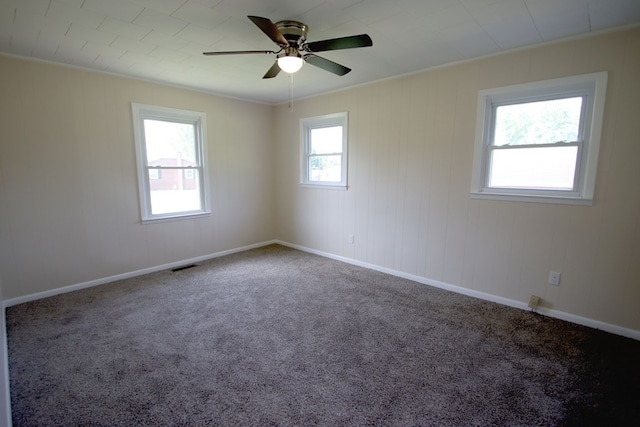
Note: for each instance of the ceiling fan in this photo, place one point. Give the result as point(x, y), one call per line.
point(291, 37)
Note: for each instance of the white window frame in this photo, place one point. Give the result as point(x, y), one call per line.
point(318, 122)
point(590, 86)
point(141, 112)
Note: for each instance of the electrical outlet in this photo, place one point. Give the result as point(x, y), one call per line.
point(554, 278)
point(352, 239)
point(533, 302)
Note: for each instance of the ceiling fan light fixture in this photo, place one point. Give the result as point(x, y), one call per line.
point(290, 63)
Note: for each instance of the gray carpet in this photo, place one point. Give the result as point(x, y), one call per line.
point(275, 336)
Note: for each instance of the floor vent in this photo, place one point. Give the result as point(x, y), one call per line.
point(184, 267)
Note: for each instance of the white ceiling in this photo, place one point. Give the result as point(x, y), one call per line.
point(163, 40)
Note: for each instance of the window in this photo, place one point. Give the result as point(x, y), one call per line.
point(324, 151)
point(170, 151)
point(540, 141)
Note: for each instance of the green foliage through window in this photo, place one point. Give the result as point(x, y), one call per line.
point(543, 122)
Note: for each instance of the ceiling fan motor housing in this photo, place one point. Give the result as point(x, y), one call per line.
point(295, 32)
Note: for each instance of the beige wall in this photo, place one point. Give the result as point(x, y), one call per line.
point(68, 189)
point(408, 205)
point(69, 204)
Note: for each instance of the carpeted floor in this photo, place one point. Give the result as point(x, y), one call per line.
point(275, 336)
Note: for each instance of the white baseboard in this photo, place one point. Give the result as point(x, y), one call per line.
point(584, 321)
point(5, 395)
point(592, 323)
point(5, 402)
point(102, 281)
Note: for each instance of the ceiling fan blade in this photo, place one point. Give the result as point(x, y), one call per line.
point(238, 52)
point(269, 29)
point(350, 42)
point(273, 71)
point(325, 64)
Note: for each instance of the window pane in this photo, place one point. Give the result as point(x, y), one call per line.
point(169, 143)
point(326, 140)
point(173, 193)
point(325, 168)
point(542, 122)
point(544, 168)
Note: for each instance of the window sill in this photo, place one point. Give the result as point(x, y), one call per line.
point(175, 217)
point(325, 186)
point(562, 200)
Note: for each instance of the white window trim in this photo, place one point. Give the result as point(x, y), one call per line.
point(594, 85)
point(328, 120)
point(143, 111)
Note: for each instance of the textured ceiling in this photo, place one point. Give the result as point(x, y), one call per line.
point(163, 40)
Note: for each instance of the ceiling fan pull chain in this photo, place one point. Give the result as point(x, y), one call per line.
point(291, 92)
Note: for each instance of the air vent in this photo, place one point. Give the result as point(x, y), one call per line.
point(184, 267)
